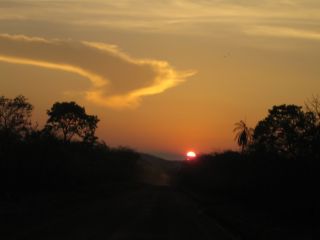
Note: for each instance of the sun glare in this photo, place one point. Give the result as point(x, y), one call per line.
point(191, 155)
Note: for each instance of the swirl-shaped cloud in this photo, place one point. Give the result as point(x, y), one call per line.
point(118, 80)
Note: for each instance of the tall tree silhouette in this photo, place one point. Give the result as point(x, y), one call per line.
point(15, 116)
point(69, 120)
point(243, 134)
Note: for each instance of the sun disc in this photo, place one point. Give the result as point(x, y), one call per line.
point(191, 154)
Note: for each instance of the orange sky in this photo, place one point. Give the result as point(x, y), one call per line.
point(163, 76)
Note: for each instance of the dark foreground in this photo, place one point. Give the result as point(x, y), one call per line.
point(151, 212)
point(138, 212)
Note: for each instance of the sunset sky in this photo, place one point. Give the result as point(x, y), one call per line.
point(163, 76)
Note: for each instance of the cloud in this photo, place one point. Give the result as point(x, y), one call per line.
point(284, 32)
point(219, 19)
point(164, 16)
point(117, 79)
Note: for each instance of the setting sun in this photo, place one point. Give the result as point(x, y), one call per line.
point(191, 155)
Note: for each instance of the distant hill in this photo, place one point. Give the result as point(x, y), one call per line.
point(157, 171)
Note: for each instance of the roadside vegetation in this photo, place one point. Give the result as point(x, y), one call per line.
point(270, 181)
point(63, 156)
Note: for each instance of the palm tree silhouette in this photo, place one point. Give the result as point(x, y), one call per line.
point(243, 134)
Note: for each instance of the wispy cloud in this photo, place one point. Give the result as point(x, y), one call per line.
point(118, 80)
point(283, 32)
point(173, 16)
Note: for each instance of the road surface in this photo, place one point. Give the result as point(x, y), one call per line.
point(152, 212)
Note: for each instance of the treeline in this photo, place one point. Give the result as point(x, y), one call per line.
point(273, 171)
point(64, 155)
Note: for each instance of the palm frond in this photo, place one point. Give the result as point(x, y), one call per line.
point(243, 134)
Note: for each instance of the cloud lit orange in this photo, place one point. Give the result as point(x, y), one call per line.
point(106, 66)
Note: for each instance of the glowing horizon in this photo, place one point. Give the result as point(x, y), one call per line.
point(163, 76)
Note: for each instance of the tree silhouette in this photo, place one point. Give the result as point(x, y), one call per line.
point(313, 105)
point(69, 120)
point(15, 116)
point(287, 130)
point(243, 134)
